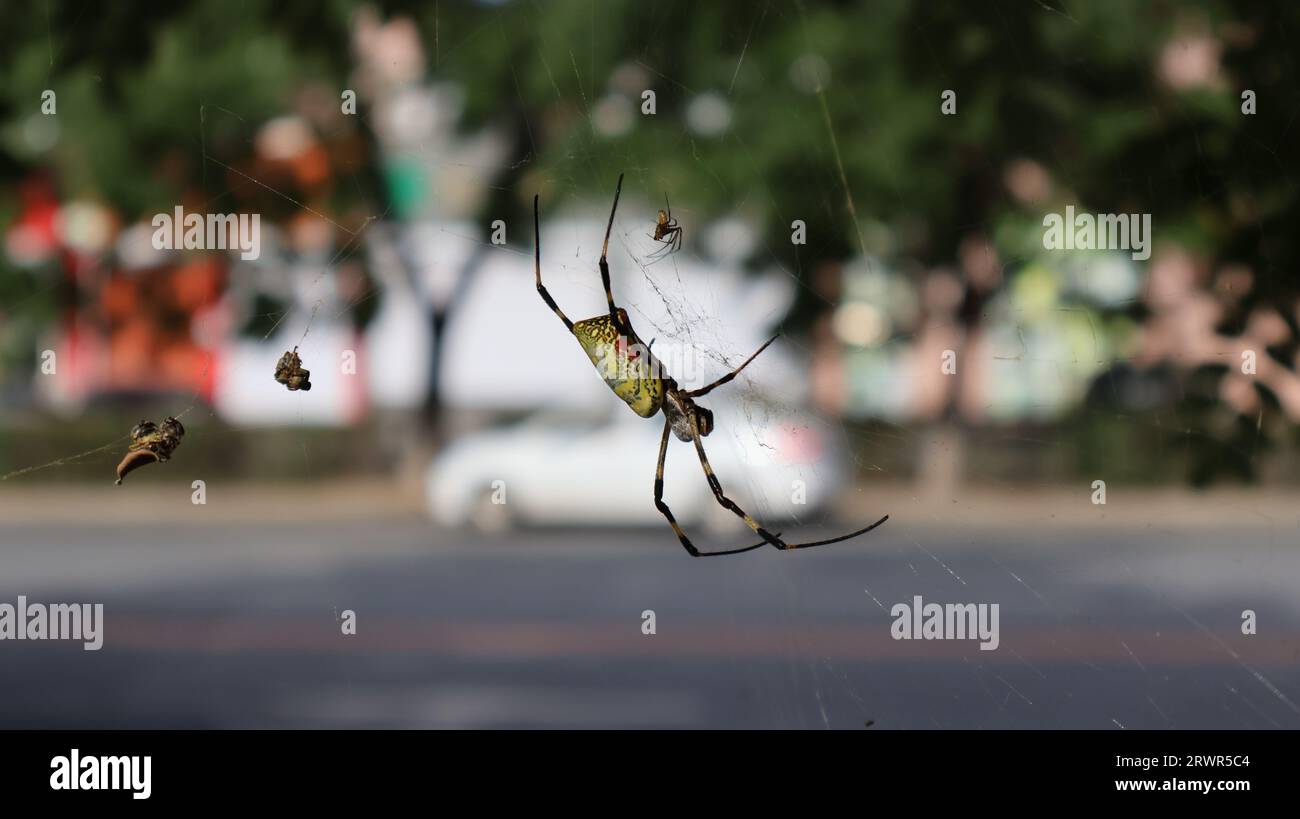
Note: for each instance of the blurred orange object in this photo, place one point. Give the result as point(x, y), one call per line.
point(130, 351)
point(120, 298)
point(196, 284)
point(311, 167)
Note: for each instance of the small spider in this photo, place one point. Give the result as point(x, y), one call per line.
point(667, 231)
point(640, 380)
point(150, 443)
point(289, 372)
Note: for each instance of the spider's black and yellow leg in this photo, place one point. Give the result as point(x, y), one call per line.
point(668, 513)
point(767, 536)
point(537, 267)
point(604, 254)
point(727, 502)
point(810, 544)
point(724, 379)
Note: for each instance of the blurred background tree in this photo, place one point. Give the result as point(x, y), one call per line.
point(780, 110)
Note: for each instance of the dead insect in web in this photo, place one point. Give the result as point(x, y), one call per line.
point(150, 443)
point(667, 231)
point(290, 373)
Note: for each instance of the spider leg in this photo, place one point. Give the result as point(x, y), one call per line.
point(810, 544)
point(537, 267)
point(727, 502)
point(663, 251)
point(671, 242)
point(668, 513)
point(775, 540)
point(604, 253)
point(705, 390)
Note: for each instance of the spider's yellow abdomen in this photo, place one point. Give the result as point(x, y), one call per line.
point(624, 362)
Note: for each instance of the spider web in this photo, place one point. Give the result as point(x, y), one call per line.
point(353, 243)
point(1090, 611)
point(1018, 343)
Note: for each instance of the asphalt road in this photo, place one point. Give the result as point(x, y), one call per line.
point(239, 625)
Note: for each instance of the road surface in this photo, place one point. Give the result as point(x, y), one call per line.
point(240, 625)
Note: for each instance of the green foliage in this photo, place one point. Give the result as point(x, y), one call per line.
point(140, 99)
point(827, 101)
point(1075, 89)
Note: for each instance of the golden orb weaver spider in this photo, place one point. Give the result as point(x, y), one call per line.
point(667, 231)
point(639, 379)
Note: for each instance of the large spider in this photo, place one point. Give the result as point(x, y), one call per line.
point(640, 380)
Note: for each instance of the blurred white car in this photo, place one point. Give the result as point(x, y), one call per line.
point(555, 468)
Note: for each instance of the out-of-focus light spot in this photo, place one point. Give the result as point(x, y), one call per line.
point(630, 79)
point(882, 384)
point(391, 50)
point(1239, 393)
point(85, 226)
point(40, 133)
point(309, 234)
point(860, 324)
point(412, 117)
point(1108, 279)
point(942, 293)
point(135, 248)
point(613, 115)
point(26, 247)
point(284, 138)
point(874, 282)
point(731, 240)
point(794, 444)
point(1035, 292)
point(809, 73)
point(708, 114)
point(1191, 62)
point(1268, 327)
point(1028, 181)
point(1171, 278)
